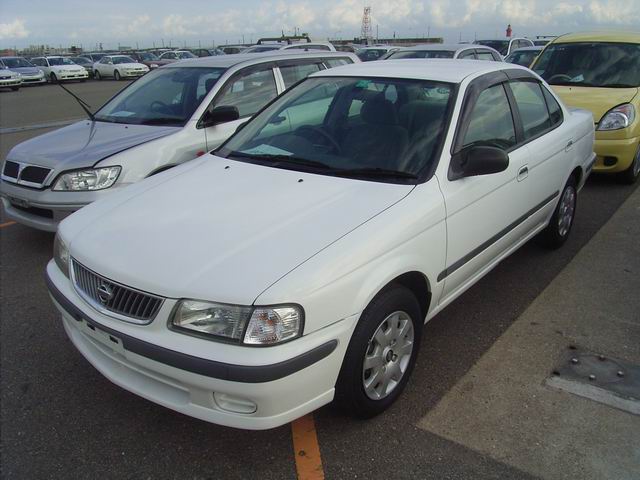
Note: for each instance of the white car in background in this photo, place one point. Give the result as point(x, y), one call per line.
point(60, 69)
point(169, 116)
point(118, 67)
point(299, 262)
point(505, 45)
point(10, 79)
point(174, 56)
point(459, 51)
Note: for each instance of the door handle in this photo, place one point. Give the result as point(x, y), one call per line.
point(569, 145)
point(523, 173)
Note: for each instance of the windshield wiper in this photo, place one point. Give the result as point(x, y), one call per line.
point(375, 173)
point(85, 106)
point(281, 159)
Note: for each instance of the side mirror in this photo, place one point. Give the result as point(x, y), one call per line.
point(219, 115)
point(478, 160)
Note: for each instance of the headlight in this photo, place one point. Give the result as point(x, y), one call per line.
point(61, 255)
point(91, 179)
point(249, 325)
point(618, 118)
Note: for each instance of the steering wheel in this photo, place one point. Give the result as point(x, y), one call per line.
point(162, 105)
point(316, 130)
point(560, 76)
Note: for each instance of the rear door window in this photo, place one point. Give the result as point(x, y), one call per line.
point(484, 55)
point(294, 73)
point(249, 91)
point(467, 55)
point(532, 107)
point(555, 112)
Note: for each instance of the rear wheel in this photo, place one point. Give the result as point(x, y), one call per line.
point(561, 222)
point(631, 174)
point(116, 75)
point(381, 354)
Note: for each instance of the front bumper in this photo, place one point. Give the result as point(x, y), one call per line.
point(291, 380)
point(33, 79)
point(73, 76)
point(44, 209)
point(10, 82)
point(615, 155)
point(133, 74)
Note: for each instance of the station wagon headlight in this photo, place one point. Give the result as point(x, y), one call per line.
point(61, 255)
point(90, 179)
point(249, 325)
point(617, 118)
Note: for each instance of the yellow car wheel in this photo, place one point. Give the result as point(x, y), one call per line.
point(631, 174)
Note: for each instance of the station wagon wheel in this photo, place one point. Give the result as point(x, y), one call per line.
point(53, 78)
point(557, 232)
point(116, 75)
point(631, 174)
point(381, 353)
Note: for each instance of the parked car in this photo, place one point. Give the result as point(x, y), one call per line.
point(439, 50)
point(174, 56)
point(306, 46)
point(298, 263)
point(505, 45)
point(94, 57)
point(601, 72)
point(60, 69)
point(523, 56)
point(83, 62)
point(146, 58)
point(30, 74)
point(118, 67)
point(233, 49)
point(377, 52)
point(206, 52)
point(10, 79)
point(169, 116)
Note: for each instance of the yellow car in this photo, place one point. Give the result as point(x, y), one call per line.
point(601, 72)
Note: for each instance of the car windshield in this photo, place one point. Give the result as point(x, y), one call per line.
point(17, 62)
point(612, 65)
point(166, 96)
point(119, 60)
point(96, 56)
point(386, 130)
point(184, 55)
point(147, 56)
point(60, 61)
point(500, 45)
point(421, 54)
point(522, 58)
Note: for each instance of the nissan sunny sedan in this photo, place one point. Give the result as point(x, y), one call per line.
point(298, 263)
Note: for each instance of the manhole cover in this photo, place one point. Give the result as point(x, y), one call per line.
point(598, 377)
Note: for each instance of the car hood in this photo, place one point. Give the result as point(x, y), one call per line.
point(84, 143)
point(66, 68)
point(598, 100)
point(221, 230)
point(130, 65)
point(26, 70)
point(4, 73)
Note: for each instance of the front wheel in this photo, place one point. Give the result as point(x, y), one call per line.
point(561, 222)
point(381, 354)
point(15, 89)
point(116, 75)
point(53, 78)
point(97, 75)
point(631, 174)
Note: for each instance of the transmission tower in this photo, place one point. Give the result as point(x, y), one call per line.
point(366, 34)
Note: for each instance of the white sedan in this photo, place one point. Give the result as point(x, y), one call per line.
point(60, 69)
point(118, 67)
point(298, 263)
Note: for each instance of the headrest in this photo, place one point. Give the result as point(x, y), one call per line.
point(379, 111)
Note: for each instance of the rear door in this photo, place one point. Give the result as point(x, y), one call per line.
point(483, 212)
point(248, 90)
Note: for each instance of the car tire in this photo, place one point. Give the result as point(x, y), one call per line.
point(557, 232)
point(15, 89)
point(392, 318)
point(97, 75)
point(631, 174)
point(82, 80)
point(116, 76)
point(53, 78)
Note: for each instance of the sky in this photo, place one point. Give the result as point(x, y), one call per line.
point(145, 23)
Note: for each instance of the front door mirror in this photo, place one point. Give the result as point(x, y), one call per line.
point(478, 160)
point(219, 115)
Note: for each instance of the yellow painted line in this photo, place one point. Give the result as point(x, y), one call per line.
point(7, 224)
point(306, 449)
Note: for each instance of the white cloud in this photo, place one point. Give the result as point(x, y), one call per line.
point(622, 12)
point(15, 29)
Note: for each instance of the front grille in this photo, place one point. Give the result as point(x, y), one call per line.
point(34, 174)
point(105, 294)
point(11, 169)
point(39, 212)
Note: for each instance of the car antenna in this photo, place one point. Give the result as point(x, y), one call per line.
point(85, 106)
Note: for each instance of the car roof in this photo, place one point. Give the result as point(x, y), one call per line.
point(227, 61)
point(623, 37)
point(449, 47)
point(439, 70)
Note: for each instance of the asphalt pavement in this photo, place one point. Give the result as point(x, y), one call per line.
point(62, 419)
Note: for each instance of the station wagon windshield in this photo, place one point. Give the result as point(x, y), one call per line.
point(386, 130)
point(119, 60)
point(60, 61)
point(612, 65)
point(167, 96)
